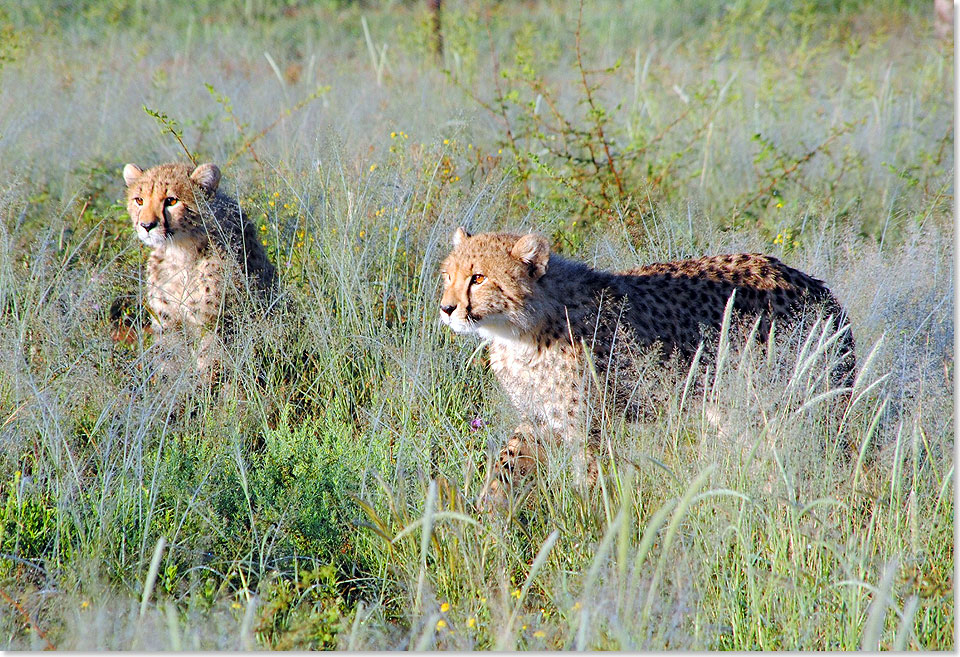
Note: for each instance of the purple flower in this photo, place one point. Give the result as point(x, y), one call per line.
point(477, 423)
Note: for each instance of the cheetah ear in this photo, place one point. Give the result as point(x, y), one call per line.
point(533, 250)
point(131, 173)
point(207, 176)
point(459, 235)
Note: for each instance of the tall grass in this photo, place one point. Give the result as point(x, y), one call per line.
point(323, 497)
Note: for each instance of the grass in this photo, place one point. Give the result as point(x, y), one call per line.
point(330, 505)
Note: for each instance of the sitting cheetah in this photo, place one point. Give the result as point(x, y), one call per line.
point(543, 313)
point(205, 255)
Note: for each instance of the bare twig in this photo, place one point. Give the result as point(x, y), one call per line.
point(171, 126)
point(593, 109)
point(573, 188)
point(248, 144)
point(224, 102)
point(502, 106)
point(787, 171)
point(29, 621)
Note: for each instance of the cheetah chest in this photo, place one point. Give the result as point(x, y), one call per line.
point(542, 382)
point(185, 290)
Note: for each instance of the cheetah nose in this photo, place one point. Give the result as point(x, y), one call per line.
point(448, 309)
point(150, 226)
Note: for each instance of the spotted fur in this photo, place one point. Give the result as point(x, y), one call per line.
point(544, 315)
point(205, 256)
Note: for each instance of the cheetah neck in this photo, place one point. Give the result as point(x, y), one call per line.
point(505, 333)
point(546, 330)
point(565, 284)
point(180, 252)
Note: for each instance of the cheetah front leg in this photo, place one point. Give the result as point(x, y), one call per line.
point(566, 414)
point(583, 458)
point(209, 358)
point(513, 468)
point(169, 353)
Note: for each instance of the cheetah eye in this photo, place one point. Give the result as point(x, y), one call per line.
point(138, 200)
point(476, 279)
point(170, 201)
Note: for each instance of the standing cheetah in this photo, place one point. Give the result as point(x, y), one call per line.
point(545, 316)
point(205, 258)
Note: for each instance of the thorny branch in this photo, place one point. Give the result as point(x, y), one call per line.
point(27, 619)
point(593, 108)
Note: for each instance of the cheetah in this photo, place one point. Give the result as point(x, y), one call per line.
point(545, 317)
point(205, 257)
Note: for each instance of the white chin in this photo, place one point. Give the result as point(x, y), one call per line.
point(153, 240)
point(496, 329)
point(458, 326)
point(493, 327)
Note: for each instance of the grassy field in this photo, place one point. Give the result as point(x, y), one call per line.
point(330, 505)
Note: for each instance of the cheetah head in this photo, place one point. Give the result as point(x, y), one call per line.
point(164, 202)
point(490, 283)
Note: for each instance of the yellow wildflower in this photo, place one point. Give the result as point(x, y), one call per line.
point(445, 607)
point(373, 167)
point(516, 593)
point(441, 624)
point(471, 622)
point(539, 634)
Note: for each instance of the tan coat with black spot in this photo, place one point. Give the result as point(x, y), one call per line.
point(545, 316)
point(206, 259)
